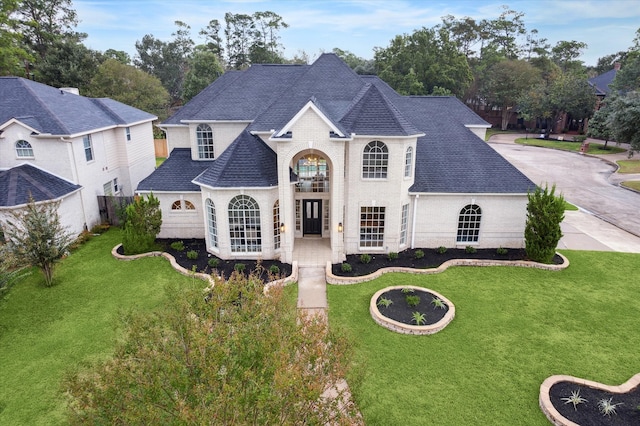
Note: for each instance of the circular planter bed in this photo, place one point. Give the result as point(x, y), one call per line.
point(411, 310)
point(569, 401)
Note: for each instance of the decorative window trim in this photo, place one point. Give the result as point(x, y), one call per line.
point(204, 141)
point(375, 160)
point(372, 223)
point(469, 221)
point(212, 223)
point(88, 148)
point(24, 149)
point(245, 231)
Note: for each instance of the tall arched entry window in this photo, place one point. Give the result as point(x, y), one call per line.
point(313, 174)
point(244, 225)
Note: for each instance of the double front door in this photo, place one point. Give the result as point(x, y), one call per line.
point(312, 214)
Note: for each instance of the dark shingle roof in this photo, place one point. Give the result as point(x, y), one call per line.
point(175, 173)
point(21, 182)
point(601, 82)
point(53, 111)
point(247, 162)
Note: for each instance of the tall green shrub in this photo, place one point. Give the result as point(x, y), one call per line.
point(545, 212)
point(144, 219)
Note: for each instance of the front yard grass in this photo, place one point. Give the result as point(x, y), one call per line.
point(514, 327)
point(629, 166)
point(633, 184)
point(48, 332)
point(594, 148)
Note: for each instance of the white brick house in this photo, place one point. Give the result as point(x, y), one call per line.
point(57, 145)
point(265, 157)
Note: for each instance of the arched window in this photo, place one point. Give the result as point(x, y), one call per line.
point(469, 224)
point(24, 149)
point(375, 160)
point(408, 162)
point(213, 224)
point(244, 224)
point(276, 224)
point(182, 205)
point(204, 136)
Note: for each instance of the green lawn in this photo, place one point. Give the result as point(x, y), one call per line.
point(493, 131)
point(629, 166)
point(514, 327)
point(594, 148)
point(633, 184)
point(47, 332)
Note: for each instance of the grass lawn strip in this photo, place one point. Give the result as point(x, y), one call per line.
point(633, 184)
point(514, 327)
point(594, 148)
point(48, 332)
point(629, 166)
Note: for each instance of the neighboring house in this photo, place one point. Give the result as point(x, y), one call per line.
point(601, 83)
point(267, 156)
point(58, 146)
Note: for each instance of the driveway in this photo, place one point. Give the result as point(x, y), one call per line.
point(585, 181)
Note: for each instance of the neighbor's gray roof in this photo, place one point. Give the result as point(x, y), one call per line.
point(53, 111)
point(449, 158)
point(601, 82)
point(20, 183)
point(175, 173)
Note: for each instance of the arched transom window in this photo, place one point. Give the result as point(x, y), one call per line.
point(244, 225)
point(182, 205)
point(212, 223)
point(204, 136)
point(375, 160)
point(24, 149)
point(469, 224)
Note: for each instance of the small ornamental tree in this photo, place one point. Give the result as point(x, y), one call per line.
point(144, 219)
point(35, 237)
point(233, 355)
point(545, 212)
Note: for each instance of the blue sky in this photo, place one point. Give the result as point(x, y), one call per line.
point(607, 26)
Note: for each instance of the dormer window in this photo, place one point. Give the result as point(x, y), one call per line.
point(204, 137)
point(24, 149)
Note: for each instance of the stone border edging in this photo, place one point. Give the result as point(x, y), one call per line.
point(558, 419)
point(403, 328)
point(335, 279)
point(205, 277)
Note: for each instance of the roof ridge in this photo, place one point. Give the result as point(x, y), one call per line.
point(43, 104)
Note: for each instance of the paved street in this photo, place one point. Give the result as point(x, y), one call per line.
point(587, 182)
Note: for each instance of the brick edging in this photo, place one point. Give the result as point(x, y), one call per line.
point(205, 277)
point(335, 279)
point(558, 419)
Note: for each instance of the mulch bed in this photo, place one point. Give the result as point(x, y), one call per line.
point(431, 259)
point(588, 414)
point(401, 311)
point(225, 267)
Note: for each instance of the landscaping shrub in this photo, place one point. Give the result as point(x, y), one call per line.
point(502, 251)
point(214, 262)
point(545, 212)
point(393, 255)
point(346, 267)
point(365, 258)
point(419, 254)
point(239, 267)
point(274, 269)
point(144, 219)
point(192, 254)
point(177, 245)
point(470, 249)
point(441, 250)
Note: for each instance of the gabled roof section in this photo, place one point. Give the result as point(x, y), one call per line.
point(175, 173)
point(247, 162)
point(601, 82)
point(372, 113)
point(20, 183)
point(57, 112)
point(313, 105)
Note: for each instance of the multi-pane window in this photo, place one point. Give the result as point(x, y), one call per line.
point(298, 215)
point(88, 147)
point(127, 132)
point(212, 223)
point(182, 205)
point(375, 160)
point(108, 190)
point(408, 162)
point(404, 219)
point(204, 136)
point(24, 149)
point(469, 224)
point(313, 174)
point(276, 224)
point(244, 225)
point(372, 226)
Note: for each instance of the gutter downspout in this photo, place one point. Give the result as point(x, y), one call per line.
point(74, 170)
point(413, 221)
